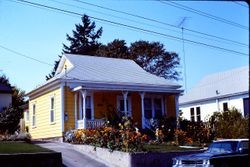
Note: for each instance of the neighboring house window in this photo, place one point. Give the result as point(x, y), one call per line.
point(34, 115)
point(192, 114)
point(246, 106)
point(148, 108)
point(225, 107)
point(52, 110)
point(198, 114)
point(88, 107)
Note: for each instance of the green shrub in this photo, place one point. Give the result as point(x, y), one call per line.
point(229, 124)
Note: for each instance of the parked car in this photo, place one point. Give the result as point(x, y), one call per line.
point(220, 153)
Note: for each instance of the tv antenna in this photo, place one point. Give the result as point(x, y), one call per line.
point(181, 25)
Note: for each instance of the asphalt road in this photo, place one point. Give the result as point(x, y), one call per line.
point(71, 157)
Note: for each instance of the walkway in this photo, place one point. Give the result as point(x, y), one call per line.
point(71, 157)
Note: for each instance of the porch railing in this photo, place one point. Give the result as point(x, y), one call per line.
point(90, 123)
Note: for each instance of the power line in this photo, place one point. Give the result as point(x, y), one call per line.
point(134, 27)
point(23, 55)
point(183, 7)
point(238, 3)
point(159, 22)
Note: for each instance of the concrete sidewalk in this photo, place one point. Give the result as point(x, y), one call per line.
point(71, 157)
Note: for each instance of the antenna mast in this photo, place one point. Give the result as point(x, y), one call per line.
point(181, 24)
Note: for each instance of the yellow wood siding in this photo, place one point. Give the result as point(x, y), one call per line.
point(44, 128)
point(69, 104)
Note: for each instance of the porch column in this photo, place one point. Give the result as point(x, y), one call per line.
point(84, 93)
point(218, 105)
point(142, 110)
point(177, 109)
point(75, 99)
point(125, 97)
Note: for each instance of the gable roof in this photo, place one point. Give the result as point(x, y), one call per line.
point(218, 85)
point(109, 73)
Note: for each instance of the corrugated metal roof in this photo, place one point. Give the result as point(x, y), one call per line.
point(220, 84)
point(111, 70)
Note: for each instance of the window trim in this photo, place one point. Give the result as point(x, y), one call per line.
point(50, 110)
point(192, 114)
point(34, 123)
point(152, 99)
point(198, 108)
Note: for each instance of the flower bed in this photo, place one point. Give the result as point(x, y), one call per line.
point(125, 140)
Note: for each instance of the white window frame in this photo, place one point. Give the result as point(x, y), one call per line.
point(129, 106)
point(198, 115)
point(52, 110)
point(152, 98)
point(34, 123)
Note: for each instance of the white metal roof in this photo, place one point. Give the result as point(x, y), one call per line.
point(222, 84)
point(101, 73)
point(111, 70)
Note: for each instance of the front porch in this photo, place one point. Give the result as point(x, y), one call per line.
point(92, 107)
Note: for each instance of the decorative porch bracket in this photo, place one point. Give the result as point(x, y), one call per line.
point(142, 110)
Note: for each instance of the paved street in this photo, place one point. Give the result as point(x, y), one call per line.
point(71, 157)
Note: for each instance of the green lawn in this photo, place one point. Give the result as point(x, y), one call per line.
point(8, 147)
point(164, 147)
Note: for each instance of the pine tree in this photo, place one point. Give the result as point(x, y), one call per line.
point(84, 41)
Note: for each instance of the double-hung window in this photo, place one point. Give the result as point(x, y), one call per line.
point(88, 107)
point(192, 114)
point(52, 110)
point(148, 108)
point(198, 114)
point(33, 115)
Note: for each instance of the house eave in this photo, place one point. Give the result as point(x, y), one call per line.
point(213, 98)
point(128, 87)
point(44, 88)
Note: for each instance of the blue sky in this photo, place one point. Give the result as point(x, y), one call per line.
point(39, 33)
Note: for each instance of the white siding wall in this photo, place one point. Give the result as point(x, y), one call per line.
point(207, 108)
point(5, 100)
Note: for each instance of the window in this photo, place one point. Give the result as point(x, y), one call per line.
point(34, 115)
point(198, 114)
point(192, 114)
point(88, 107)
point(153, 107)
point(27, 115)
point(52, 110)
point(225, 107)
point(246, 106)
point(148, 108)
point(158, 108)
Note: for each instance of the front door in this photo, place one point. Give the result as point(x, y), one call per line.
point(120, 105)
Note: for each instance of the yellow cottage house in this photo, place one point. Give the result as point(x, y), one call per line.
point(87, 89)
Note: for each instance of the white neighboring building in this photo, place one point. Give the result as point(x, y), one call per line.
point(217, 92)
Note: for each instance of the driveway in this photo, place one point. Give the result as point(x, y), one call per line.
point(71, 157)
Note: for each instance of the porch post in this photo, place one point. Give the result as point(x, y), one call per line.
point(142, 110)
point(75, 99)
point(125, 96)
point(84, 93)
